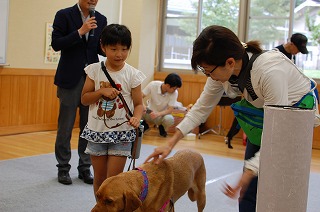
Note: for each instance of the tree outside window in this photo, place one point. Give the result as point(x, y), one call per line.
point(269, 23)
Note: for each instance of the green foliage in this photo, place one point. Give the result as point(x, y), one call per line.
point(265, 24)
point(225, 13)
point(313, 28)
point(215, 12)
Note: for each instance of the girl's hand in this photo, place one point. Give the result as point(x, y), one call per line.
point(134, 122)
point(110, 93)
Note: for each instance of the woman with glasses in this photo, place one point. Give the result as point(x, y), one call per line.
point(273, 80)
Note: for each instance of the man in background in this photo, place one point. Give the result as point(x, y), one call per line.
point(298, 43)
point(76, 33)
point(161, 99)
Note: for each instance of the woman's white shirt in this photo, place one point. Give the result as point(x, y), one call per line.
point(275, 80)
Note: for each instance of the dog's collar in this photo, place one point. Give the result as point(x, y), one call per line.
point(145, 186)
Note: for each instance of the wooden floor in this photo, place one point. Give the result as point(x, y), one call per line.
point(31, 144)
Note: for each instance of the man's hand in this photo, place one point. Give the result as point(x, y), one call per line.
point(154, 115)
point(91, 23)
point(159, 154)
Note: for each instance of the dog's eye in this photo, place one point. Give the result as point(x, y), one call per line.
point(108, 201)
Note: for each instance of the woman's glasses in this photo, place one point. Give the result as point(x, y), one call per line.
point(199, 68)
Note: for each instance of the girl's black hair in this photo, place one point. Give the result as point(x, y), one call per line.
point(116, 34)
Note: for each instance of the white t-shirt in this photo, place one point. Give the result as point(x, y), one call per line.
point(275, 80)
point(159, 102)
point(112, 111)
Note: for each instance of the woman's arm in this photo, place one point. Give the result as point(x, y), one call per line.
point(162, 152)
point(242, 184)
point(208, 99)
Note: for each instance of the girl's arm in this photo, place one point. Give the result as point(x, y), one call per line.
point(90, 96)
point(138, 106)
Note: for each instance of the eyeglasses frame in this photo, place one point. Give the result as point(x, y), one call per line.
point(204, 71)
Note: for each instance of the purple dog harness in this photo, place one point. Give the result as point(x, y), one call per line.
point(144, 192)
point(145, 186)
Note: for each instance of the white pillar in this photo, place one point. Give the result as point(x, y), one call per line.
point(285, 159)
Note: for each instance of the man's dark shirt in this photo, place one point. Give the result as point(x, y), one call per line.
point(281, 49)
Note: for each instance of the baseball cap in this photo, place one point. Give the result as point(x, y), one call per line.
point(300, 41)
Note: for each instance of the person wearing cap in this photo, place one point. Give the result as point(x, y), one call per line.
point(298, 43)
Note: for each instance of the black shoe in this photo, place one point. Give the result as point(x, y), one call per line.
point(146, 126)
point(229, 144)
point(162, 132)
point(86, 176)
point(64, 178)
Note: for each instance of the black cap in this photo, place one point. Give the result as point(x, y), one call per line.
point(300, 41)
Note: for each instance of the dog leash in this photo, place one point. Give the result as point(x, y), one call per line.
point(165, 205)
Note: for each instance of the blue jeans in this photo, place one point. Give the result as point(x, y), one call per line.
point(248, 202)
point(118, 149)
point(70, 101)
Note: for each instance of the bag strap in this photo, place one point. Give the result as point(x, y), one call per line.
point(113, 84)
point(245, 77)
point(135, 143)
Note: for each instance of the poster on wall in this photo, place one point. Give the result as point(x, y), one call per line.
point(51, 56)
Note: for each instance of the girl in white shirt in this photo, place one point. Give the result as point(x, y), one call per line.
point(110, 131)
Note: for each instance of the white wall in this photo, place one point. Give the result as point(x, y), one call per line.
point(141, 17)
point(27, 25)
point(111, 9)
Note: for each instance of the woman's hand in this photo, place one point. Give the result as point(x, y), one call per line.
point(159, 154)
point(243, 184)
point(231, 192)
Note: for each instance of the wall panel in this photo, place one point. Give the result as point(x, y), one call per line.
point(28, 101)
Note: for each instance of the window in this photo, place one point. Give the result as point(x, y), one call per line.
point(307, 21)
point(269, 22)
point(184, 20)
point(272, 22)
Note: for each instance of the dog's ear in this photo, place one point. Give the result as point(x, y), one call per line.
point(131, 201)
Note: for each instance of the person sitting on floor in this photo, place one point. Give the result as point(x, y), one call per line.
point(161, 98)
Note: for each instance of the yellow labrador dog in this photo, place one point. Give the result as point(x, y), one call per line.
point(152, 187)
